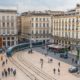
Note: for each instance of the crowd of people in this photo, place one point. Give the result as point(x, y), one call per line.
point(6, 71)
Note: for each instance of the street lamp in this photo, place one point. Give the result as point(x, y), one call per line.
point(46, 53)
point(30, 41)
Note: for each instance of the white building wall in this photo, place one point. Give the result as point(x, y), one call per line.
point(8, 32)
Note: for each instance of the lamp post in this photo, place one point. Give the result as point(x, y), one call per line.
point(30, 41)
point(46, 51)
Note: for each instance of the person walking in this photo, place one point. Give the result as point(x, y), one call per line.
point(14, 72)
point(3, 63)
point(54, 70)
point(5, 73)
point(2, 74)
point(8, 71)
point(76, 61)
point(59, 64)
point(11, 69)
point(6, 61)
point(72, 60)
point(41, 61)
point(58, 71)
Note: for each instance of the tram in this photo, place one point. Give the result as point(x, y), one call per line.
point(11, 50)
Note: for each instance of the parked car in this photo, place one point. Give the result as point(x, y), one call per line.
point(73, 69)
point(64, 55)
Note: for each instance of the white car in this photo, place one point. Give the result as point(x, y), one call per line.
point(73, 69)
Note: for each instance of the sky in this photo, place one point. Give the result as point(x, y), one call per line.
point(29, 5)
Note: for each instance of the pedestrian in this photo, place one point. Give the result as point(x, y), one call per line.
point(76, 61)
point(2, 74)
point(72, 60)
point(41, 65)
point(8, 70)
point(14, 72)
point(11, 69)
point(3, 63)
point(4, 69)
point(5, 73)
point(54, 70)
point(58, 71)
point(59, 64)
point(6, 61)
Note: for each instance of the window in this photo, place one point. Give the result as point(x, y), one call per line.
point(43, 31)
point(12, 24)
point(36, 24)
point(7, 24)
point(32, 25)
point(12, 32)
point(47, 24)
point(12, 18)
point(12, 38)
point(36, 32)
point(32, 19)
point(8, 38)
point(65, 27)
point(3, 18)
point(7, 18)
point(3, 24)
point(72, 34)
point(40, 19)
point(47, 31)
point(36, 19)
point(73, 20)
point(43, 19)
point(43, 24)
point(3, 38)
point(69, 21)
point(4, 43)
point(73, 28)
point(12, 42)
point(8, 31)
point(32, 32)
point(77, 20)
point(40, 24)
point(76, 28)
point(40, 31)
point(8, 43)
point(47, 19)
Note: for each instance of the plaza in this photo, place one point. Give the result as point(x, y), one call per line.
point(28, 66)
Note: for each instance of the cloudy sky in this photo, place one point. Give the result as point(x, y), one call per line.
point(25, 5)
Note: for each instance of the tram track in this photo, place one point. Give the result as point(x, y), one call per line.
point(35, 69)
point(24, 70)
